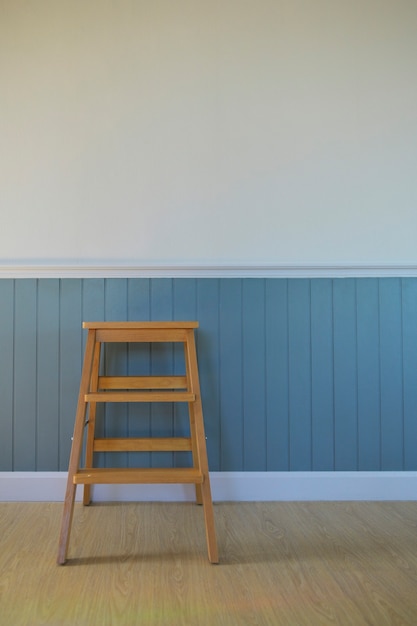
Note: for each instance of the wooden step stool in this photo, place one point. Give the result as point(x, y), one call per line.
point(95, 388)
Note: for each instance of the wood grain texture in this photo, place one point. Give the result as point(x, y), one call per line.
point(282, 564)
point(131, 476)
point(87, 474)
point(141, 396)
point(148, 444)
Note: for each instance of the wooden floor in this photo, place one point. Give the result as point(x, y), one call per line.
point(281, 563)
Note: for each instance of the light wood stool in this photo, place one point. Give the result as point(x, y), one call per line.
point(95, 389)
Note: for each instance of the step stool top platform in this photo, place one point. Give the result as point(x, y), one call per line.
point(140, 325)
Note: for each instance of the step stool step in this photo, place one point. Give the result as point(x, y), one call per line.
point(140, 396)
point(132, 476)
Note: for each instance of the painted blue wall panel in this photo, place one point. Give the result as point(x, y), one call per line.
point(184, 308)
point(207, 314)
point(322, 400)
point(254, 378)
point(47, 369)
point(296, 374)
point(409, 348)
point(276, 375)
point(345, 375)
point(161, 299)
point(93, 301)
point(231, 369)
point(368, 375)
point(25, 375)
point(162, 362)
point(115, 363)
point(7, 309)
point(392, 427)
point(71, 357)
point(93, 310)
point(139, 363)
point(299, 338)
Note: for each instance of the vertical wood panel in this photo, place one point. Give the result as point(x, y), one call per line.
point(208, 364)
point(138, 299)
point(322, 400)
point(392, 428)
point(162, 361)
point(6, 374)
point(299, 374)
point(277, 410)
point(71, 355)
point(115, 363)
point(25, 400)
point(93, 306)
point(345, 375)
point(254, 375)
point(409, 348)
point(231, 375)
point(161, 302)
point(369, 417)
point(93, 297)
point(184, 308)
point(139, 363)
point(47, 367)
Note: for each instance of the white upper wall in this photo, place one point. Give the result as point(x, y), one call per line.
point(229, 131)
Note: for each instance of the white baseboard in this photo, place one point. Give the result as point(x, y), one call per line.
point(226, 486)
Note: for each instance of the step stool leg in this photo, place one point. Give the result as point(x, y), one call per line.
point(199, 447)
point(89, 448)
point(206, 498)
point(194, 452)
point(77, 441)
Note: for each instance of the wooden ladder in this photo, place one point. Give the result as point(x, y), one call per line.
point(95, 388)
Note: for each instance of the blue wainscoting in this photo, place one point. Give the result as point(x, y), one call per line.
point(296, 374)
